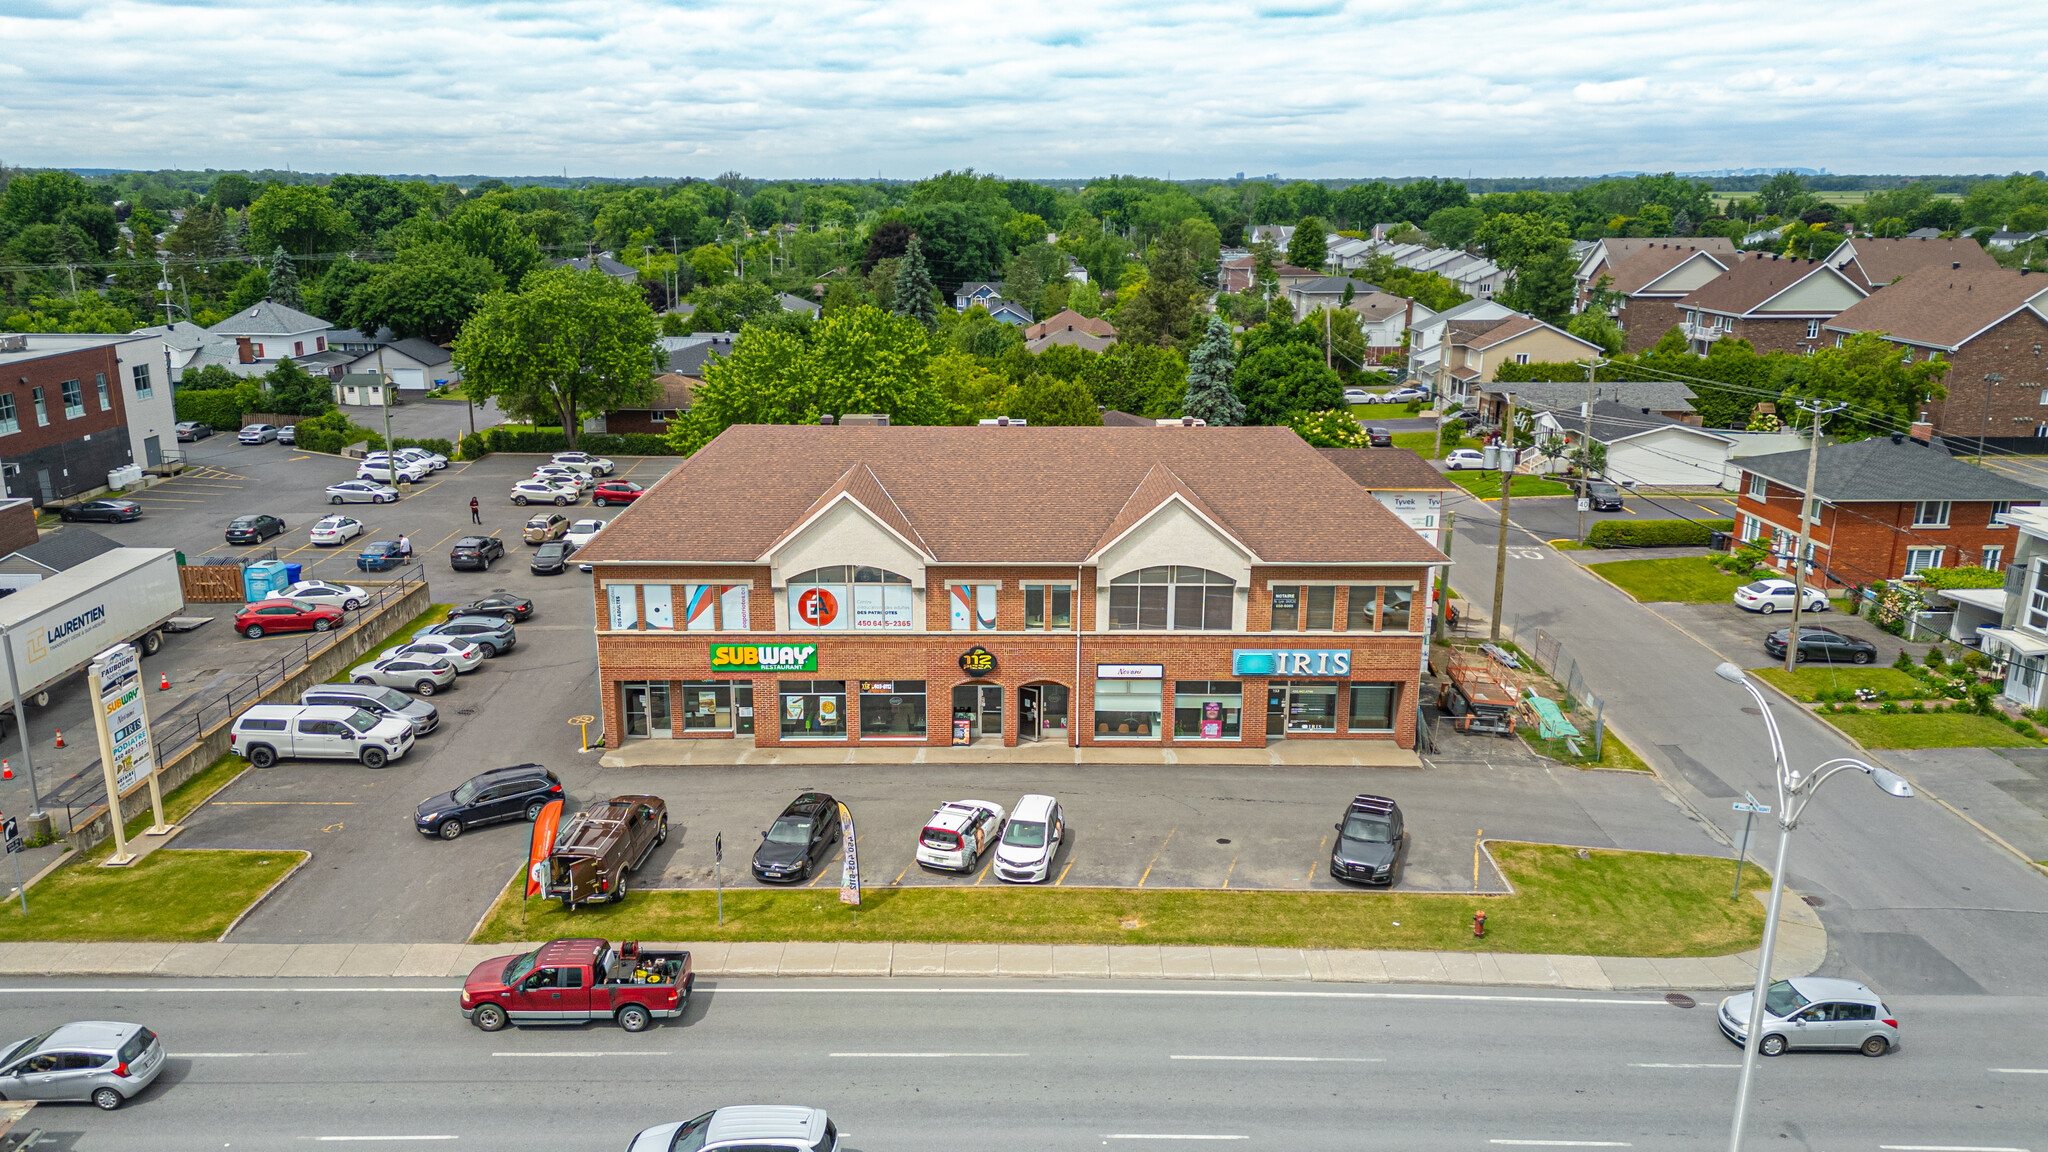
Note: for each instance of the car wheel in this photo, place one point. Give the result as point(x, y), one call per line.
point(1772, 1045)
point(351, 605)
point(519, 500)
point(380, 499)
point(1766, 608)
point(152, 642)
point(1876, 1046)
point(374, 758)
point(322, 625)
point(490, 1018)
point(511, 617)
point(254, 632)
point(450, 829)
point(262, 756)
point(619, 889)
point(489, 649)
point(534, 810)
point(1861, 658)
point(334, 500)
point(1799, 659)
point(107, 1099)
point(598, 500)
point(661, 834)
point(561, 501)
point(363, 680)
point(425, 687)
point(634, 1018)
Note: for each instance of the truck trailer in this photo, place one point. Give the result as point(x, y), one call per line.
point(54, 628)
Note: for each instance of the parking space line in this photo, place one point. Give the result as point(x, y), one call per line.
point(1063, 872)
point(274, 803)
point(985, 869)
point(1318, 861)
point(444, 540)
point(901, 875)
point(1227, 872)
point(1155, 855)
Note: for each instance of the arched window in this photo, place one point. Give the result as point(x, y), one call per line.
point(1171, 597)
point(843, 597)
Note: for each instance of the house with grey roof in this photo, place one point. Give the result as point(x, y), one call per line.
point(1325, 292)
point(604, 263)
point(414, 365)
point(1644, 446)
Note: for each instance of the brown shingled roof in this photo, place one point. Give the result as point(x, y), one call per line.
point(1756, 279)
point(1111, 418)
point(1880, 262)
point(1942, 307)
point(1639, 269)
point(961, 489)
point(1158, 486)
point(1087, 341)
point(1068, 318)
point(1387, 469)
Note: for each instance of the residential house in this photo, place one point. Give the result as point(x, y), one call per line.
point(1985, 323)
point(1764, 235)
point(1874, 263)
point(1241, 272)
point(58, 551)
point(1650, 280)
point(798, 304)
point(1473, 352)
point(1402, 481)
point(1667, 398)
point(63, 426)
point(1644, 447)
point(1605, 256)
point(673, 395)
point(1425, 345)
point(252, 341)
point(1066, 319)
point(1278, 235)
point(1073, 337)
point(974, 292)
point(1113, 418)
point(2010, 624)
point(1924, 234)
point(1777, 303)
point(1347, 253)
point(1324, 292)
point(143, 381)
point(1382, 231)
point(1882, 508)
point(1009, 312)
point(1475, 276)
point(2005, 241)
point(1384, 319)
point(604, 263)
point(414, 365)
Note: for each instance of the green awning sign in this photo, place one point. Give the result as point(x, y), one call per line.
point(764, 657)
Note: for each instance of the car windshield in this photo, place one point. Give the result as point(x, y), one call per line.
point(136, 1045)
point(1783, 999)
point(466, 791)
point(520, 965)
point(26, 1046)
point(390, 698)
point(1025, 834)
point(690, 1137)
point(362, 720)
point(1762, 586)
point(790, 830)
point(1370, 829)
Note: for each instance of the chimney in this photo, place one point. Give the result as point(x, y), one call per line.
point(1921, 431)
point(245, 352)
point(825, 420)
point(1955, 264)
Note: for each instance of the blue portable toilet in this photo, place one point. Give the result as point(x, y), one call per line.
point(262, 578)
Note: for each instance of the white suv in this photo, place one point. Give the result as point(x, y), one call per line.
point(267, 733)
point(754, 1128)
point(1031, 840)
point(958, 833)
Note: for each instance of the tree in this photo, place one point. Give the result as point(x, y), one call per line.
point(1536, 253)
point(1210, 395)
point(888, 241)
point(571, 343)
point(1279, 381)
point(960, 244)
point(1454, 227)
point(298, 218)
point(1163, 310)
point(1308, 248)
point(43, 197)
point(428, 291)
point(291, 389)
point(1785, 195)
point(1138, 378)
point(232, 191)
point(489, 231)
point(915, 296)
point(86, 312)
point(1051, 401)
point(1868, 372)
point(284, 279)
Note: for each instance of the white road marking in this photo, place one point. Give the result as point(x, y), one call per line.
point(916, 1055)
point(1945, 1148)
point(724, 991)
point(2021, 1071)
point(329, 1139)
point(1685, 1065)
point(1292, 1059)
point(1567, 1143)
point(225, 1055)
point(1165, 1136)
point(572, 1055)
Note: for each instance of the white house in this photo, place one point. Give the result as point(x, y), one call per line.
point(1643, 447)
point(414, 365)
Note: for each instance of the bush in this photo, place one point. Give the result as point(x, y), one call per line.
point(1961, 578)
point(328, 432)
point(1655, 533)
point(549, 440)
point(474, 446)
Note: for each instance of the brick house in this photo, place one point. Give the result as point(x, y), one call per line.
point(1874, 263)
point(1776, 303)
point(1984, 323)
point(1888, 507)
point(1652, 279)
point(63, 426)
point(1605, 258)
point(1174, 587)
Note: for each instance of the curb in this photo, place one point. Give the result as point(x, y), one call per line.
point(305, 859)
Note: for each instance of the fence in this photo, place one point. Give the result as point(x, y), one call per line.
point(1553, 658)
point(211, 583)
point(176, 731)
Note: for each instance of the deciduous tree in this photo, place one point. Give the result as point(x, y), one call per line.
point(571, 343)
point(1308, 248)
point(1281, 380)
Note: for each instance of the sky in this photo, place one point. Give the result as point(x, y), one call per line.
point(841, 88)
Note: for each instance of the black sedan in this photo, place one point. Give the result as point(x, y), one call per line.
point(800, 840)
point(1369, 841)
point(515, 793)
point(1823, 644)
point(254, 529)
point(476, 552)
point(512, 608)
point(109, 511)
point(1380, 437)
point(552, 559)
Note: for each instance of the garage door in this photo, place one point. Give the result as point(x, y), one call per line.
point(410, 378)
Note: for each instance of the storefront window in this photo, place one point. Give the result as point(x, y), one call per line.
point(1299, 608)
point(1358, 614)
point(1207, 709)
point(623, 604)
point(892, 708)
point(844, 597)
point(1286, 608)
point(707, 707)
point(974, 607)
point(715, 607)
point(1127, 709)
point(1372, 707)
point(1171, 597)
point(1397, 609)
point(1057, 600)
point(814, 709)
point(1312, 708)
point(660, 605)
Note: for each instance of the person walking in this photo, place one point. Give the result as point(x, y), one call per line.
point(404, 549)
point(476, 515)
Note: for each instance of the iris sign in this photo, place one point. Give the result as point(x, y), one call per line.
point(1290, 662)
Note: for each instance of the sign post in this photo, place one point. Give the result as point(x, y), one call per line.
point(121, 720)
point(849, 875)
point(718, 869)
point(1749, 811)
point(13, 836)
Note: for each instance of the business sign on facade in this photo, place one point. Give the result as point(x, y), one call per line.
point(120, 702)
point(978, 661)
point(764, 657)
point(1130, 671)
point(1422, 511)
point(1290, 662)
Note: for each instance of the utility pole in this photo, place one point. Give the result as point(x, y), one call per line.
point(1326, 337)
point(163, 285)
point(384, 393)
point(1809, 511)
point(1507, 482)
point(1586, 451)
point(1991, 380)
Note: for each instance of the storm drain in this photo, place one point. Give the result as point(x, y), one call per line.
point(1680, 1000)
point(1813, 901)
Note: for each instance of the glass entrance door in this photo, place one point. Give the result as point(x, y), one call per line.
point(1027, 713)
point(991, 712)
point(646, 708)
point(1276, 711)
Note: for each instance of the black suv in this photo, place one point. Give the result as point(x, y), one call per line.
point(1601, 496)
point(797, 843)
point(511, 793)
point(552, 559)
point(254, 529)
point(476, 552)
point(1369, 841)
point(512, 608)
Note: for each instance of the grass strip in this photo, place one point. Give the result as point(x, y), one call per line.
point(1614, 753)
point(1686, 579)
point(1424, 444)
point(1486, 485)
point(1611, 903)
point(434, 614)
point(1365, 413)
point(1809, 679)
point(1930, 730)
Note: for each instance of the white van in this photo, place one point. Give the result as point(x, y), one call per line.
point(267, 733)
point(1031, 840)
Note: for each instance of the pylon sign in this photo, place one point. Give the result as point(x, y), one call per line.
point(120, 707)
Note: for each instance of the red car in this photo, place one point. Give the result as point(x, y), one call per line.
point(615, 492)
point(286, 616)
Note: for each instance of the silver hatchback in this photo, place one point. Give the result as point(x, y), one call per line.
point(103, 1061)
point(1814, 1012)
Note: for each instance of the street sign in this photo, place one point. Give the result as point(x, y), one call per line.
point(1757, 808)
point(1585, 505)
point(13, 834)
point(718, 848)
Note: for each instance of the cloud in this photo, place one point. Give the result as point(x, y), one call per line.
point(1051, 88)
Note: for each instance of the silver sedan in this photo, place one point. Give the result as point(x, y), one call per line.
point(1814, 1012)
point(347, 597)
point(465, 656)
point(425, 675)
point(361, 492)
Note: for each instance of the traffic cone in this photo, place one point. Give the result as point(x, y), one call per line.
point(165, 686)
point(6, 771)
point(60, 737)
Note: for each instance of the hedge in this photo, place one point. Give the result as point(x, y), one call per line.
point(220, 407)
point(503, 439)
point(1656, 533)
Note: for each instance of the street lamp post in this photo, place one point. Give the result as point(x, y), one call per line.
point(1991, 380)
point(1794, 790)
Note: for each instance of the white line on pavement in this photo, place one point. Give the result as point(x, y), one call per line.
point(1240, 992)
point(554, 1055)
point(1944, 1148)
point(1164, 1136)
point(1685, 1065)
point(1293, 1059)
point(1567, 1143)
point(330, 1139)
point(2024, 1071)
point(916, 1055)
point(225, 1055)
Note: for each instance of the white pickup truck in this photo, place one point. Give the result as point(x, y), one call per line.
point(268, 733)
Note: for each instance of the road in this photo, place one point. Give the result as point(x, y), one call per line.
point(1914, 899)
point(915, 1065)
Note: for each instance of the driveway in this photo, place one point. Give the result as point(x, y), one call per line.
point(1557, 517)
point(1739, 636)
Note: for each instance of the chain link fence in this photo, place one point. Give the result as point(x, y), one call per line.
point(1580, 706)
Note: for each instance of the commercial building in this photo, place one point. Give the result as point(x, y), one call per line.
point(1099, 587)
point(141, 383)
point(62, 423)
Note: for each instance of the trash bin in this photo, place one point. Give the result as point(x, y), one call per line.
point(1721, 541)
point(291, 574)
point(262, 578)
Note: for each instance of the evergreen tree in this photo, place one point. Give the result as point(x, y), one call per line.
point(914, 291)
point(284, 279)
point(1210, 396)
point(1308, 247)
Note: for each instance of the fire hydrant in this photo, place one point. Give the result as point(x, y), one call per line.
point(1479, 924)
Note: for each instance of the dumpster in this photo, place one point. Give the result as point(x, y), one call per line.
point(1722, 541)
point(264, 577)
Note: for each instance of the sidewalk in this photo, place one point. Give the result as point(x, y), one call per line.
point(1802, 945)
point(741, 750)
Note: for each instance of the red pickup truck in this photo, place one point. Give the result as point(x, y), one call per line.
point(570, 981)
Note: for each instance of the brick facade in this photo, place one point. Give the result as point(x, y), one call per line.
point(61, 455)
point(1860, 542)
point(2014, 349)
point(628, 421)
point(1777, 336)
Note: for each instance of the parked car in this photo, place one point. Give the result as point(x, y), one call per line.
point(1771, 595)
point(1601, 496)
point(615, 492)
point(404, 470)
point(378, 701)
point(566, 475)
point(571, 981)
point(288, 434)
point(512, 608)
point(465, 656)
point(346, 597)
point(798, 840)
point(599, 849)
point(544, 492)
point(500, 794)
point(1822, 644)
point(1459, 459)
point(1404, 395)
point(425, 675)
point(1379, 437)
point(582, 532)
point(190, 430)
point(360, 492)
point(1032, 838)
point(104, 1061)
point(111, 510)
point(492, 635)
point(1813, 1012)
point(552, 559)
point(476, 552)
point(258, 433)
point(254, 528)
point(335, 530)
point(267, 616)
point(749, 1126)
point(1369, 841)
point(380, 556)
point(1357, 396)
point(546, 526)
point(267, 733)
point(958, 833)
point(597, 464)
point(411, 453)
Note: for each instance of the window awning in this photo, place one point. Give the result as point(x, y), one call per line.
point(2019, 642)
point(1990, 599)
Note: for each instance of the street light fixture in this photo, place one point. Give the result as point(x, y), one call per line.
point(1794, 790)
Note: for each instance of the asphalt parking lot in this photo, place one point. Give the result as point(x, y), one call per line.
point(1557, 517)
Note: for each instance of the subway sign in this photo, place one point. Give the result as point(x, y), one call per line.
point(764, 657)
point(1290, 662)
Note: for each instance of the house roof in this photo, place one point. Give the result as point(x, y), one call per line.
point(1491, 334)
point(687, 354)
point(766, 478)
point(1112, 418)
point(269, 318)
point(1615, 249)
point(61, 549)
point(1380, 305)
point(1754, 281)
point(678, 392)
point(1876, 263)
point(1614, 422)
point(1333, 286)
point(605, 264)
point(422, 350)
point(1656, 395)
point(1645, 266)
point(1068, 318)
point(1880, 470)
point(972, 286)
point(797, 304)
point(1942, 307)
point(1387, 469)
point(1070, 336)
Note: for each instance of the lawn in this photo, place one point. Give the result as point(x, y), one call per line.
point(1368, 413)
point(1612, 903)
point(434, 614)
point(1929, 730)
point(1692, 579)
point(1486, 485)
point(1613, 753)
point(1810, 679)
point(1424, 444)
